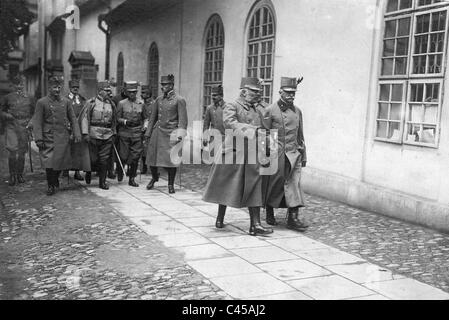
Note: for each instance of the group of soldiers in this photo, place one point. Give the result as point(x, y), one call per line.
point(73, 133)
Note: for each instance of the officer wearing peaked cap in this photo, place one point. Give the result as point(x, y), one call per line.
point(169, 115)
point(284, 187)
point(16, 111)
point(132, 124)
point(239, 184)
point(98, 127)
point(53, 119)
point(80, 151)
point(148, 101)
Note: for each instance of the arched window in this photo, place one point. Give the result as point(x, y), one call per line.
point(120, 70)
point(153, 69)
point(261, 40)
point(213, 64)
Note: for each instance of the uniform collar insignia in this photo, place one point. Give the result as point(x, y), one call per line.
point(284, 106)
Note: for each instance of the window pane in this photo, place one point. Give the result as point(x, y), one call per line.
point(381, 129)
point(393, 132)
point(396, 92)
point(430, 114)
point(402, 47)
point(392, 5)
point(428, 134)
point(404, 27)
point(415, 114)
point(384, 92)
point(395, 111)
point(417, 92)
point(413, 133)
point(432, 92)
point(390, 29)
point(423, 23)
point(387, 67)
point(419, 64)
point(405, 4)
point(383, 111)
point(388, 48)
point(421, 44)
point(400, 66)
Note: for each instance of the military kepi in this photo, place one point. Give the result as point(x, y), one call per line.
point(251, 83)
point(145, 88)
point(131, 85)
point(103, 85)
point(218, 90)
point(74, 83)
point(168, 79)
point(289, 84)
point(56, 81)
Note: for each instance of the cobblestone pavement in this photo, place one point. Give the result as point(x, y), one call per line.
point(407, 249)
point(74, 246)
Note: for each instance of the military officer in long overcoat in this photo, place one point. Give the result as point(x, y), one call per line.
point(53, 121)
point(169, 116)
point(98, 127)
point(284, 187)
point(213, 119)
point(132, 124)
point(16, 110)
point(80, 151)
point(148, 101)
point(239, 184)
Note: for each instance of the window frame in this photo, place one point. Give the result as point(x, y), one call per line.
point(120, 71)
point(153, 81)
point(409, 78)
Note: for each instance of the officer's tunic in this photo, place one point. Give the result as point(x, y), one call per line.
point(99, 122)
point(237, 185)
point(169, 114)
point(53, 120)
point(21, 107)
point(148, 107)
point(80, 150)
point(130, 137)
point(213, 118)
point(284, 189)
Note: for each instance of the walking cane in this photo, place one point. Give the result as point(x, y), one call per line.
point(119, 160)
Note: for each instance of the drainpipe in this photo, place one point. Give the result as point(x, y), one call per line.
point(107, 32)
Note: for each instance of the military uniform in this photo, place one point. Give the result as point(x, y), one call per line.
point(80, 151)
point(284, 188)
point(148, 105)
point(54, 122)
point(169, 113)
point(132, 125)
point(16, 111)
point(239, 184)
point(99, 123)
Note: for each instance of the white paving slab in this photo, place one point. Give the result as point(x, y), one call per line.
point(251, 285)
point(363, 272)
point(239, 242)
point(330, 288)
point(212, 268)
point(264, 254)
point(408, 289)
point(205, 221)
point(298, 243)
point(203, 252)
point(213, 232)
point(182, 239)
point(163, 227)
point(295, 295)
point(329, 256)
point(293, 269)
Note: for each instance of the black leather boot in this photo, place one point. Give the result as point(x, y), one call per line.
point(111, 174)
point(20, 166)
point(144, 166)
point(132, 174)
point(219, 223)
point(12, 171)
point(119, 174)
point(294, 223)
point(88, 177)
point(103, 173)
point(56, 175)
point(154, 178)
point(50, 181)
point(78, 176)
point(171, 180)
point(270, 219)
point(256, 227)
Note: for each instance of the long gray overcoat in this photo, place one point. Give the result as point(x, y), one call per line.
point(53, 119)
point(283, 189)
point(80, 150)
point(237, 185)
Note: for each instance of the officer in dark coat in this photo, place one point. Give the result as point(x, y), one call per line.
point(239, 184)
point(213, 120)
point(54, 120)
point(16, 110)
point(148, 101)
point(98, 126)
point(169, 116)
point(80, 151)
point(131, 126)
point(284, 188)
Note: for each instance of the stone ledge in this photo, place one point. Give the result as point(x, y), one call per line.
point(425, 212)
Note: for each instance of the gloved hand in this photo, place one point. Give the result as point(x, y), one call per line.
point(77, 139)
point(303, 164)
point(40, 144)
point(86, 138)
